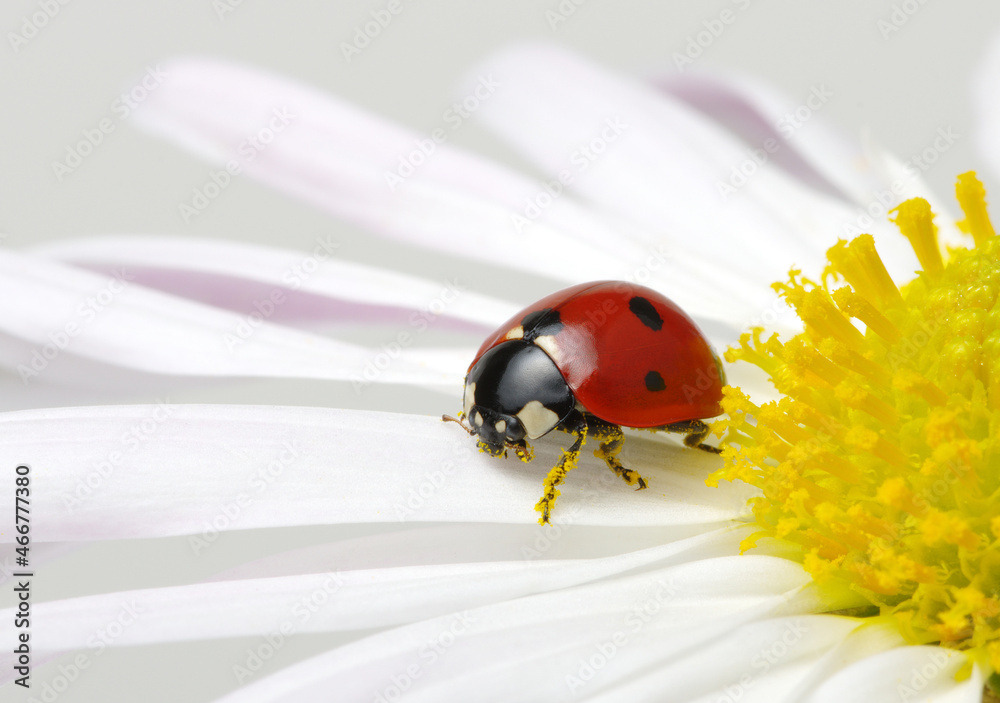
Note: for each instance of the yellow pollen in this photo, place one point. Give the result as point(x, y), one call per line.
point(881, 462)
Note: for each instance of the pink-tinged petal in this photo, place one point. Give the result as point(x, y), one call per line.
point(811, 151)
point(337, 157)
point(311, 285)
point(809, 148)
point(62, 310)
point(654, 160)
point(534, 643)
point(905, 673)
point(357, 600)
point(343, 160)
point(191, 469)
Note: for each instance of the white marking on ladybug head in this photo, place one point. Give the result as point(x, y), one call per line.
point(501, 426)
point(516, 333)
point(550, 346)
point(537, 419)
point(476, 419)
point(470, 398)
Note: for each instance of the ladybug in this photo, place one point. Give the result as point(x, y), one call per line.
point(590, 360)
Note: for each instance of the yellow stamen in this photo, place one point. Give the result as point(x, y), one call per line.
point(861, 266)
point(916, 221)
point(854, 305)
point(972, 197)
point(882, 460)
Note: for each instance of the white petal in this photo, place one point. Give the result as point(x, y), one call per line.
point(906, 673)
point(111, 320)
point(380, 295)
point(810, 150)
point(200, 469)
point(813, 152)
point(652, 160)
point(350, 600)
point(821, 157)
point(291, 271)
point(462, 543)
point(661, 164)
point(337, 157)
point(871, 637)
point(62, 335)
point(501, 651)
point(761, 661)
point(913, 185)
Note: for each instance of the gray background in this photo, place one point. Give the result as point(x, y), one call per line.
point(902, 87)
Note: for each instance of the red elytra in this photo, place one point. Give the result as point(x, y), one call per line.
point(629, 354)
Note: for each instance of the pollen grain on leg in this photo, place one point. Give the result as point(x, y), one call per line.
point(880, 462)
point(557, 474)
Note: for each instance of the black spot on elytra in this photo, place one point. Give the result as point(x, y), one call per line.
point(541, 323)
point(654, 381)
point(644, 310)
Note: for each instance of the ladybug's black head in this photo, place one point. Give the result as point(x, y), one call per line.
point(515, 392)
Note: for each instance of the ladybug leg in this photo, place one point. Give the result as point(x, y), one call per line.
point(576, 425)
point(694, 432)
point(523, 450)
point(612, 438)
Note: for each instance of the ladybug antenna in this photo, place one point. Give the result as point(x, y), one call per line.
point(449, 418)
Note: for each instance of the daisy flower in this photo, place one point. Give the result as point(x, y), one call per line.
point(377, 556)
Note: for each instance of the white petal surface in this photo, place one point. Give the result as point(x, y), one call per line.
point(192, 469)
point(525, 649)
point(349, 600)
point(895, 170)
point(871, 637)
point(906, 673)
point(811, 150)
point(62, 309)
point(337, 157)
point(466, 543)
point(761, 661)
point(814, 153)
point(661, 164)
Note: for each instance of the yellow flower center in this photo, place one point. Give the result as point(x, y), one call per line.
point(882, 461)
